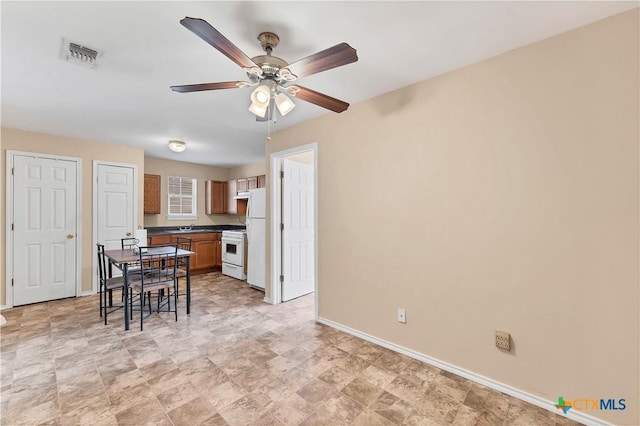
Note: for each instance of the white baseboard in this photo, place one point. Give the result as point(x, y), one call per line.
point(268, 300)
point(3, 307)
point(87, 293)
point(577, 416)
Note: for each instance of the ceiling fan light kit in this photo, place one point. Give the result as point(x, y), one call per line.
point(271, 74)
point(177, 146)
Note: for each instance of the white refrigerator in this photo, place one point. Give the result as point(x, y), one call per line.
point(256, 237)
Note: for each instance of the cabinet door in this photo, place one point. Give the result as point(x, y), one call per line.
point(241, 185)
point(262, 181)
point(217, 254)
point(252, 182)
point(151, 194)
point(215, 197)
point(205, 254)
point(231, 192)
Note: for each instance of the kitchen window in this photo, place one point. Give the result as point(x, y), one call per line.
point(182, 197)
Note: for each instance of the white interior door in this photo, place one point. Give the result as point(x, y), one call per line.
point(45, 235)
point(298, 234)
point(115, 204)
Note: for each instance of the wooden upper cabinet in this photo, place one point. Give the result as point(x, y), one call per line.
point(262, 181)
point(241, 185)
point(252, 182)
point(215, 197)
point(151, 194)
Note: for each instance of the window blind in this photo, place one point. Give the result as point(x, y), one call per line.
point(182, 196)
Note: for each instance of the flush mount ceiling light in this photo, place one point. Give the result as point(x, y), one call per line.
point(177, 146)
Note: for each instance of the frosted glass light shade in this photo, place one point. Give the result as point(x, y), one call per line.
point(177, 146)
point(284, 104)
point(260, 96)
point(258, 110)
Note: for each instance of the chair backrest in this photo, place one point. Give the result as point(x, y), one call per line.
point(102, 266)
point(183, 243)
point(158, 264)
point(129, 242)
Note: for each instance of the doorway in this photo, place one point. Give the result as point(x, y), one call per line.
point(43, 227)
point(294, 226)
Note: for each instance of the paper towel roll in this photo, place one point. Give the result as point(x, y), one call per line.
point(141, 236)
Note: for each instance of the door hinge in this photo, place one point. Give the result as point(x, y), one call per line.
point(12, 170)
point(281, 174)
point(11, 282)
point(282, 226)
point(12, 227)
point(281, 278)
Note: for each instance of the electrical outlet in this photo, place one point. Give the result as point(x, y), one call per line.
point(503, 340)
point(402, 315)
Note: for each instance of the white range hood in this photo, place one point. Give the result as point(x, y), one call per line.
point(242, 196)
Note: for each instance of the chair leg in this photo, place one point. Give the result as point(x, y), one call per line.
point(142, 311)
point(100, 291)
point(175, 304)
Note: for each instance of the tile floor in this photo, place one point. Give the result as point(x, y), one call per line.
point(235, 360)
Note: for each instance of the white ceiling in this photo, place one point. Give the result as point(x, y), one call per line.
point(126, 98)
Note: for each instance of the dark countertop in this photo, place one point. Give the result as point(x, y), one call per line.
point(159, 230)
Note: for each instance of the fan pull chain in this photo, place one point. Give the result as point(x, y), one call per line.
point(268, 130)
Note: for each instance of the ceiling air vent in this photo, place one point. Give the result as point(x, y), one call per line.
point(79, 54)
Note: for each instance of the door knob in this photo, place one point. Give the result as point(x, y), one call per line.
point(128, 234)
point(70, 236)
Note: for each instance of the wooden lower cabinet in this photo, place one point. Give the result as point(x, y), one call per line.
point(156, 240)
point(207, 247)
point(205, 254)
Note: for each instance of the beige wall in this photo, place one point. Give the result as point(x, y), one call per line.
point(249, 170)
point(86, 150)
point(202, 173)
point(501, 196)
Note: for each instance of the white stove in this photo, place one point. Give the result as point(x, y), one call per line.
point(234, 254)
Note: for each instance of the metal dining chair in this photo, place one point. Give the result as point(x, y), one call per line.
point(107, 285)
point(158, 275)
point(183, 243)
point(130, 243)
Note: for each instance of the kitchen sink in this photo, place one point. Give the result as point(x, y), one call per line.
point(190, 231)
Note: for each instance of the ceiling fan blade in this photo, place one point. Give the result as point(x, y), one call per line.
point(317, 98)
point(205, 31)
point(186, 88)
point(336, 56)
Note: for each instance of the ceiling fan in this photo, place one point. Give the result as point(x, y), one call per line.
point(273, 75)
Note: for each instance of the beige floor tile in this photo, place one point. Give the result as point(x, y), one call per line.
point(234, 361)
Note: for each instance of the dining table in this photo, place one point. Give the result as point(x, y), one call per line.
point(123, 258)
